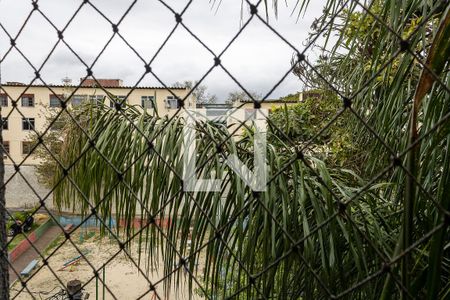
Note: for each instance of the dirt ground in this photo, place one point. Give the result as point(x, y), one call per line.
point(122, 277)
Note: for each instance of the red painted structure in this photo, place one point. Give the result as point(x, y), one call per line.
point(25, 244)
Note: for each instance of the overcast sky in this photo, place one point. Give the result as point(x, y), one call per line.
point(257, 58)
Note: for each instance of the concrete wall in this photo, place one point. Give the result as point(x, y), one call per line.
point(18, 192)
point(268, 105)
point(92, 222)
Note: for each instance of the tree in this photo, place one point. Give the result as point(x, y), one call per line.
point(53, 141)
point(302, 121)
point(48, 150)
point(242, 96)
point(200, 92)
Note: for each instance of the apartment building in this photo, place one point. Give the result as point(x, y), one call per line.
point(35, 102)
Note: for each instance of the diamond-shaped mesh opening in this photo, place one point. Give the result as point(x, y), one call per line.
point(128, 183)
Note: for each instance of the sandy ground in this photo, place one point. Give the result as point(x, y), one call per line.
point(122, 277)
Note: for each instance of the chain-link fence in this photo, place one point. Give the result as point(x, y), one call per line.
point(354, 202)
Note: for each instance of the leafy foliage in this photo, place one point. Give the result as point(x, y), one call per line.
point(262, 226)
point(48, 152)
point(302, 121)
point(375, 60)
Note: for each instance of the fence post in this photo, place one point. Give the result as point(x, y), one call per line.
point(4, 270)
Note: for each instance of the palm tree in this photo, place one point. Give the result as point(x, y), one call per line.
point(145, 181)
point(316, 232)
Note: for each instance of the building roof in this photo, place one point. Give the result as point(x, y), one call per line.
point(215, 105)
point(291, 98)
point(14, 84)
point(90, 82)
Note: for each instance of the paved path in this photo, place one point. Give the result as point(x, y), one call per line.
point(22, 261)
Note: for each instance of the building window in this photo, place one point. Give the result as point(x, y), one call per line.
point(27, 100)
point(5, 148)
point(171, 102)
point(27, 147)
point(96, 99)
point(55, 100)
point(78, 99)
point(117, 99)
point(3, 100)
point(147, 102)
point(5, 123)
point(27, 123)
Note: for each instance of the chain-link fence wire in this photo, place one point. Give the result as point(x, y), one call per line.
point(250, 281)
